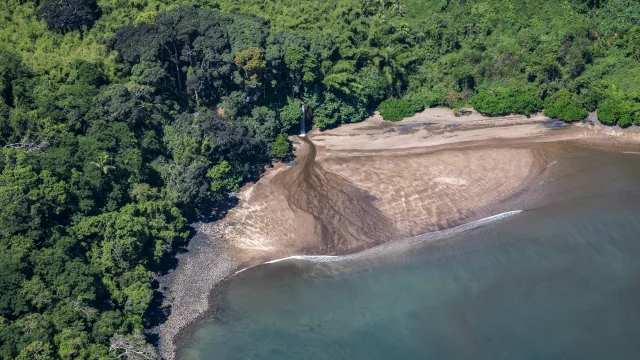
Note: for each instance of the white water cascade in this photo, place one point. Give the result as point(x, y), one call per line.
point(303, 130)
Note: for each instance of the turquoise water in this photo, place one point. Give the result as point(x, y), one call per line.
point(560, 280)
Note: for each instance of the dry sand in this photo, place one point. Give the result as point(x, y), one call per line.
point(364, 184)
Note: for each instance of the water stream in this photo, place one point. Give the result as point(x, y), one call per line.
point(303, 130)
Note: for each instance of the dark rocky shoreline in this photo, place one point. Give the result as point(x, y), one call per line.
point(205, 263)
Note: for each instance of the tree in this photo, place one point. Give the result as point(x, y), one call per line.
point(617, 111)
point(280, 146)
point(131, 347)
point(251, 64)
point(502, 101)
point(563, 106)
point(67, 14)
point(37, 350)
point(396, 109)
point(290, 115)
point(103, 163)
point(301, 66)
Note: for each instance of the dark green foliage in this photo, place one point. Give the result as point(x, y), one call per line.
point(396, 109)
point(563, 106)
point(333, 111)
point(502, 101)
point(68, 14)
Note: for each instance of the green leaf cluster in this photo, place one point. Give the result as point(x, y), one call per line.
point(397, 109)
point(562, 105)
point(503, 101)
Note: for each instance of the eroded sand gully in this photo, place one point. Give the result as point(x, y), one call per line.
point(364, 184)
point(306, 209)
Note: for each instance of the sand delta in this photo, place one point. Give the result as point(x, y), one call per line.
point(373, 182)
point(368, 183)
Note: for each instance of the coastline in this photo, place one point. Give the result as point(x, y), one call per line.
point(432, 236)
point(203, 266)
point(218, 288)
point(280, 216)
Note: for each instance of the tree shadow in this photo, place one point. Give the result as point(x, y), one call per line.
point(157, 313)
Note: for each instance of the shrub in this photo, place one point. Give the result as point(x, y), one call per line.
point(616, 111)
point(425, 99)
point(280, 147)
point(290, 116)
point(562, 105)
point(396, 109)
point(452, 99)
point(502, 101)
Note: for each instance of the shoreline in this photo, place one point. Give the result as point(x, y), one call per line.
point(202, 267)
point(180, 338)
point(431, 236)
point(281, 216)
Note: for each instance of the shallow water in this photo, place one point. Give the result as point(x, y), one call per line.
point(560, 280)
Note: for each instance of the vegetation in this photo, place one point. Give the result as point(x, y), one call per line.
point(620, 111)
point(501, 101)
point(397, 109)
point(120, 122)
point(562, 105)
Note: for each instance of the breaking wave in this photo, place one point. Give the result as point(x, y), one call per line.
point(436, 235)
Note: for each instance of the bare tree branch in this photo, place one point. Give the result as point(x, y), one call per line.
point(132, 347)
point(27, 145)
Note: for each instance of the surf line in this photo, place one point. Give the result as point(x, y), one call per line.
point(407, 241)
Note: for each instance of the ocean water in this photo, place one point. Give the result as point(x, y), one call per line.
point(559, 280)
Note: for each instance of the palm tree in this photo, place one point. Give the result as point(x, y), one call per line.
point(102, 163)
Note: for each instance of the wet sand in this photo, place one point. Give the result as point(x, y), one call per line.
point(365, 184)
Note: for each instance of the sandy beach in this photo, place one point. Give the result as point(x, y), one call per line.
point(365, 184)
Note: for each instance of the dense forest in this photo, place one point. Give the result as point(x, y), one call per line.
point(123, 121)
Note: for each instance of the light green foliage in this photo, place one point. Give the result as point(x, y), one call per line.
point(424, 99)
point(333, 111)
point(37, 350)
point(290, 115)
point(397, 109)
point(222, 179)
point(279, 148)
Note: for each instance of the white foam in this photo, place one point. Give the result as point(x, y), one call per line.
point(413, 240)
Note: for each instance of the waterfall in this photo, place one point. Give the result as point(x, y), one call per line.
point(303, 131)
